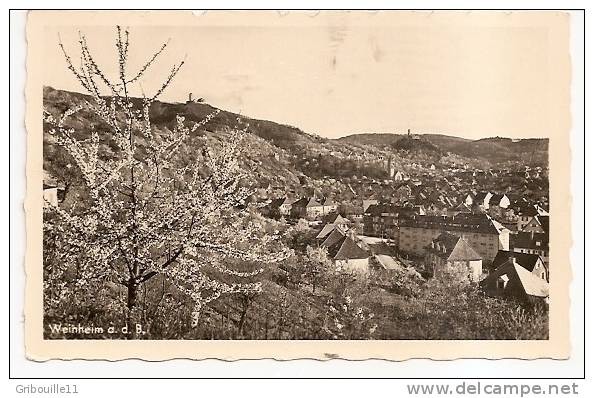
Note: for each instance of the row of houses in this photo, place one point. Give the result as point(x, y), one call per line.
point(486, 235)
point(521, 276)
point(444, 197)
point(446, 191)
point(473, 247)
point(485, 200)
point(357, 253)
point(511, 274)
point(306, 207)
point(529, 231)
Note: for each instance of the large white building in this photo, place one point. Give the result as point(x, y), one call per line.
point(484, 234)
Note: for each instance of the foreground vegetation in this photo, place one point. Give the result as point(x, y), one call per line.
point(306, 297)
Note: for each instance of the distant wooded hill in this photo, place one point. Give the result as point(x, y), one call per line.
point(494, 150)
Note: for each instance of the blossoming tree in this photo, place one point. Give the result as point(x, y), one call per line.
point(145, 212)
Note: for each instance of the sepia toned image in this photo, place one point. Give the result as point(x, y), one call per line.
point(333, 184)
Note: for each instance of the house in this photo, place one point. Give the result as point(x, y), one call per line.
point(482, 200)
point(325, 231)
point(382, 220)
point(369, 202)
point(462, 208)
point(537, 224)
point(52, 191)
point(389, 263)
point(525, 212)
point(333, 237)
point(50, 195)
point(398, 176)
point(500, 200)
point(307, 208)
point(532, 243)
point(451, 255)
point(335, 219)
point(272, 209)
point(347, 255)
point(402, 191)
point(531, 262)
point(484, 234)
point(329, 206)
point(373, 223)
point(381, 247)
point(498, 205)
point(285, 207)
point(511, 225)
point(419, 209)
point(436, 208)
point(511, 280)
point(329, 228)
point(468, 200)
point(386, 262)
point(332, 222)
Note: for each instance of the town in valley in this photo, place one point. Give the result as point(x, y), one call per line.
point(403, 235)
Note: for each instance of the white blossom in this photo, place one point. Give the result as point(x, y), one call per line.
point(148, 214)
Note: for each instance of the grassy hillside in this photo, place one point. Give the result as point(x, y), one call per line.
point(284, 156)
point(163, 114)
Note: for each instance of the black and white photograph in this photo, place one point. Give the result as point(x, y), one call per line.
point(311, 176)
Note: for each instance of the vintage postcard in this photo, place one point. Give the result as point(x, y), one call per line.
point(263, 184)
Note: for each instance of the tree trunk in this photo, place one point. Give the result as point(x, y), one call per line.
point(241, 321)
point(246, 305)
point(132, 309)
point(132, 294)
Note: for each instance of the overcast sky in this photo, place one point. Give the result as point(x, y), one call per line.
point(337, 76)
